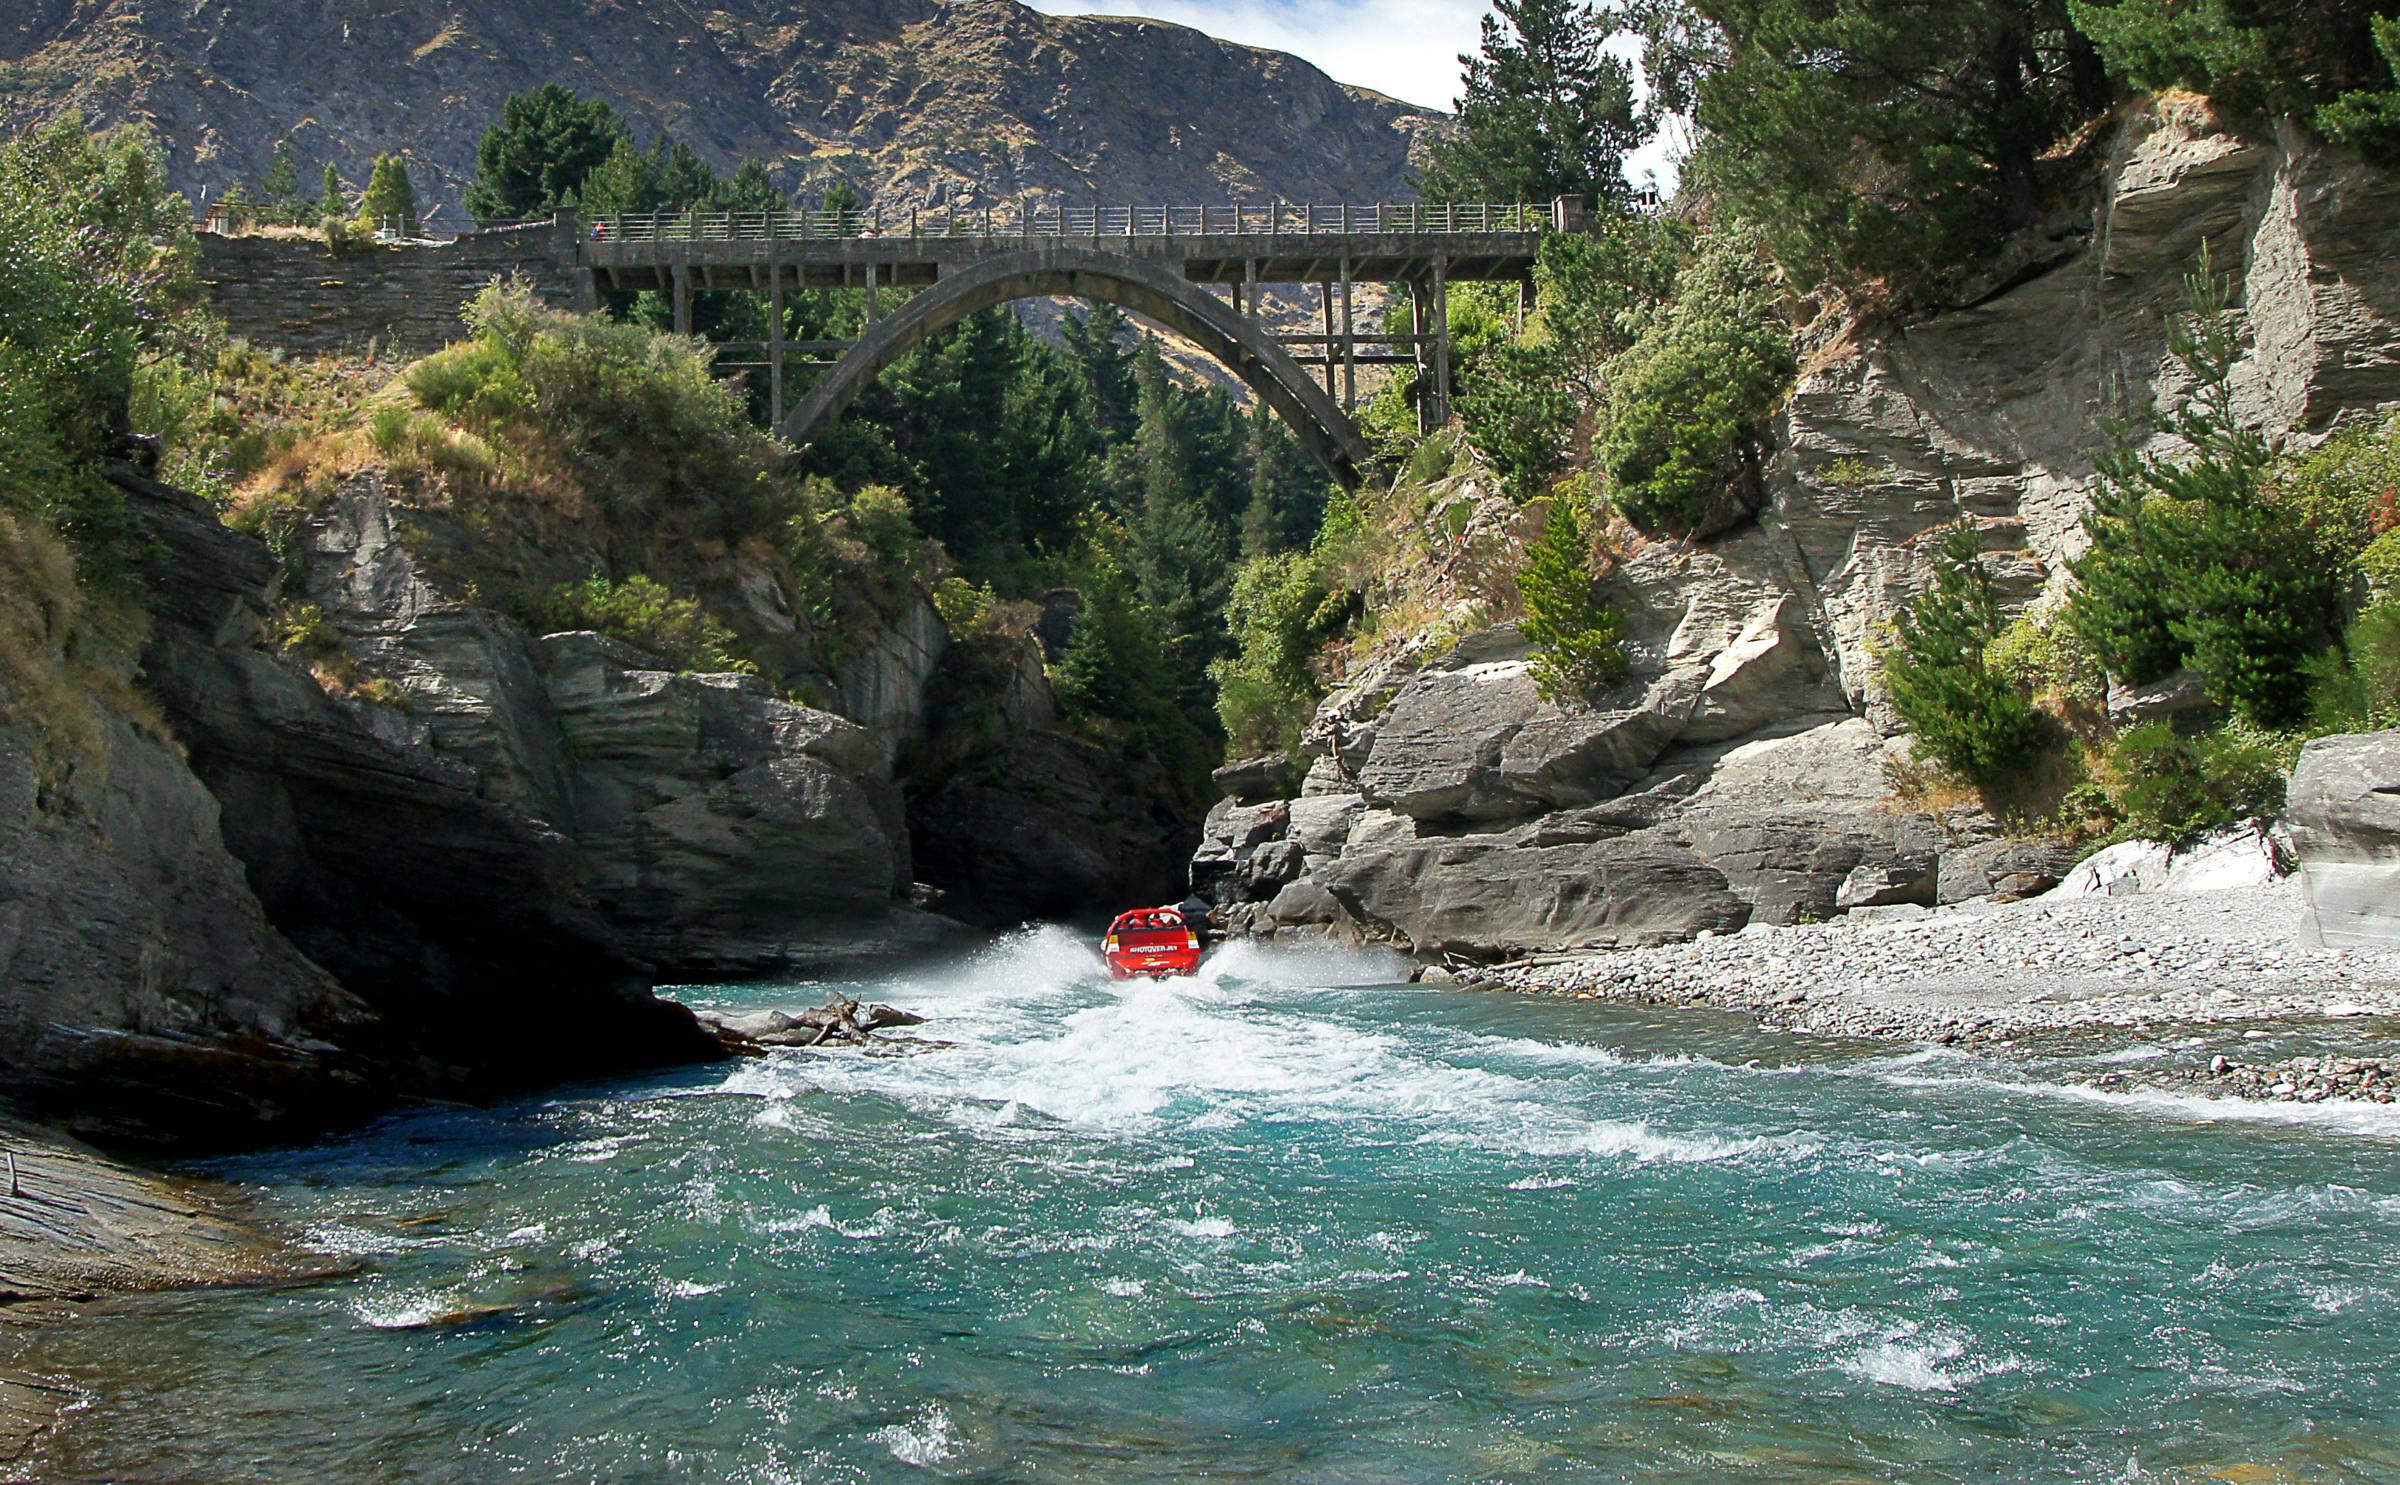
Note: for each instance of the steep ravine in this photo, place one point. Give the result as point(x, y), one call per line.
point(431, 853)
point(1741, 772)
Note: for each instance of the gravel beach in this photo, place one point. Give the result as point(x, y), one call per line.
point(1997, 974)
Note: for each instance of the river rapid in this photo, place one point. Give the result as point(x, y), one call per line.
point(1291, 1222)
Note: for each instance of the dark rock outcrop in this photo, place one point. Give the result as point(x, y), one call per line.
point(419, 880)
point(2343, 815)
point(145, 991)
point(1045, 825)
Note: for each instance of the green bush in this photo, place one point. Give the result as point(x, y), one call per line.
point(641, 415)
point(2168, 786)
point(2368, 118)
point(2049, 662)
point(2356, 686)
point(963, 606)
point(1280, 613)
point(1578, 640)
point(643, 613)
point(95, 267)
point(2379, 564)
point(1685, 401)
point(1967, 714)
point(2344, 493)
point(2190, 562)
point(1520, 410)
point(879, 516)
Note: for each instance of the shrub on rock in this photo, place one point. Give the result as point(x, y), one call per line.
point(1579, 641)
point(1968, 714)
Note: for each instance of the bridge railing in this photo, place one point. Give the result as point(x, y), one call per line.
point(1275, 219)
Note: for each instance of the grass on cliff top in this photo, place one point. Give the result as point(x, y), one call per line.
point(229, 409)
point(584, 472)
point(589, 416)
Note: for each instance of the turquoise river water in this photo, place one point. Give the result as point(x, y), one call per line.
point(1285, 1223)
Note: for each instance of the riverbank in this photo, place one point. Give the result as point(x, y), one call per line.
point(76, 1226)
point(2132, 968)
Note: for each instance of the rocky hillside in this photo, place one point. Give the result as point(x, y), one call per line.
point(935, 100)
point(1741, 772)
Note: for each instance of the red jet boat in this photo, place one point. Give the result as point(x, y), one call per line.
point(1157, 941)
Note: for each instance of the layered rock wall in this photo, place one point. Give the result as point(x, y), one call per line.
point(398, 299)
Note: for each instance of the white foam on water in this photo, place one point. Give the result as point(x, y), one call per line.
point(685, 1289)
point(1324, 966)
point(344, 1240)
point(924, 1443)
point(1918, 1359)
point(1900, 1364)
point(413, 1310)
point(1043, 1044)
point(1217, 1228)
point(1570, 1054)
point(2335, 1299)
point(1122, 1287)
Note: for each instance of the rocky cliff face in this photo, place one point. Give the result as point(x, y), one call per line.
point(944, 101)
point(1739, 773)
point(425, 851)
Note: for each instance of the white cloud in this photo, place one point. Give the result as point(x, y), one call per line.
point(1409, 49)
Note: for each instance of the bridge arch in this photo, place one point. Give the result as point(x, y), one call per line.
point(1149, 289)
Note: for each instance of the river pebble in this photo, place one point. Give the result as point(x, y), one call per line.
point(1996, 973)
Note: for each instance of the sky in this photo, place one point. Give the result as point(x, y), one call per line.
point(1406, 48)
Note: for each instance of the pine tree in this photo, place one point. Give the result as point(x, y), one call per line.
point(237, 206)
point(331, 200)
point(2367, 118)
point(282, 184)
point(1867, 139)
point(1579, 641)
point(1546, 112)
point(1969, 718)
point(390, 199)
point(2120, 609)
point(2250, 56)
point(2190, 545)
point(1096, 340)
point(1178, 554)
point(1287, 490)
point(535, 159)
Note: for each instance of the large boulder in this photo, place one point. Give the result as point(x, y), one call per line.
point(1495, 896)
point(721, 825)
point(1478, 742)
point(2343, 815)
point(886, 679)
point(144, 997)
point(1798, 813)
point(2004, 870)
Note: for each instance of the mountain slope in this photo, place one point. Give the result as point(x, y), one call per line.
point(935, 100)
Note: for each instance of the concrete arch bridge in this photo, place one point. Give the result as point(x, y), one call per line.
point(1200, 271)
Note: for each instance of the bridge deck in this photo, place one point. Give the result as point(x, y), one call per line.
point(1209, 245)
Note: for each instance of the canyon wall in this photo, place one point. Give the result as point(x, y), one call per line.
point(1741, 772)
